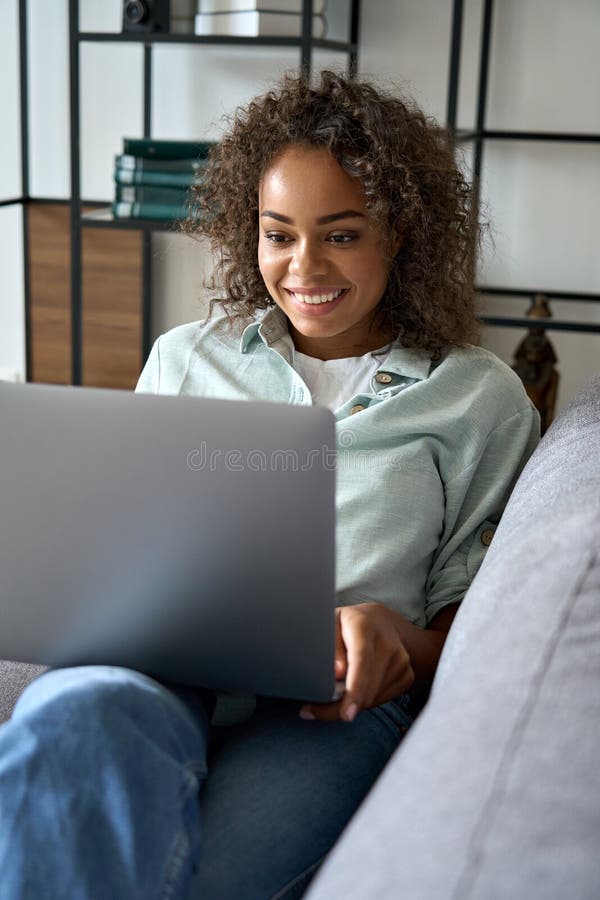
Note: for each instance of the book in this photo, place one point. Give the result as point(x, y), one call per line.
point(252, 23)
point(155, 177)
point(159, 211)
point(181, 25)
point(127, 162)
point(149, 148)
point(288, 6)
point(183, 8)
point(151, 195)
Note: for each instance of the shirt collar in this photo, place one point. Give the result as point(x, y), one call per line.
point(408, 362)
point(271, 326)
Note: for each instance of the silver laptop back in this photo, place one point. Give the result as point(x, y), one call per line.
point(192, 539)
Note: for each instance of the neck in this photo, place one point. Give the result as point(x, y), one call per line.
point(340, 346)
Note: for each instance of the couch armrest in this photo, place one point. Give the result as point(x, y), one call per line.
point(493, 793)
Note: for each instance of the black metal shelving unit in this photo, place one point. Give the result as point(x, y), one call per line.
point(305, 44)
point(478, 136)
point(104, 219)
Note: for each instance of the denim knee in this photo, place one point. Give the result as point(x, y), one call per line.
point(79, 703)
point(100, 770)
point(85, 688)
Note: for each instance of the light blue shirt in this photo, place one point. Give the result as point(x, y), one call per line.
point(426, 459)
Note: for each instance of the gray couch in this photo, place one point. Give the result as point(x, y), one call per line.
point(495, 793)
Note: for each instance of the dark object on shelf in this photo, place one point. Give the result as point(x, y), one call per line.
point(146, 15)
point(535, 361)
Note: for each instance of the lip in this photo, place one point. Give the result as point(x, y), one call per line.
point(316, 309)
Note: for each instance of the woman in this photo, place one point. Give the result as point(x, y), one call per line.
point(344, 243)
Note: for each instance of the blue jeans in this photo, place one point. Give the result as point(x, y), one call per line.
point(113, 786)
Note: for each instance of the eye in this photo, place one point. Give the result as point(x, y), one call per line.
point(343, 237)
point(276, 237)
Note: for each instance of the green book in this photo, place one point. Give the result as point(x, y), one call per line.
point(148, 148)
point(158, 211)
point(179, 180)
point(167, 196)
point(125, 162)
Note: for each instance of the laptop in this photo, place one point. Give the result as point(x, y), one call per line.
point(188, 538)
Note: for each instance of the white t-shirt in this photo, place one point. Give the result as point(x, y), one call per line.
point(333, 381)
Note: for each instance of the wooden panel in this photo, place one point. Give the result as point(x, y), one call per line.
point(50, 290)
point(111, 301)
point(111, 307)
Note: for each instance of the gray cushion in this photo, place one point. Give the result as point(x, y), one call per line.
point(561, 480)
point(494, 794)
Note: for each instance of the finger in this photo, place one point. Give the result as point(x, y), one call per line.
point(401, 670)
point(321, 712)
point(341, 658)
point(397, 678)
point(359, 652)
point(330, 712)
point(396, 682)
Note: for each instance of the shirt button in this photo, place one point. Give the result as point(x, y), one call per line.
point(358, 408)
point(383, 377)
point(486, 537)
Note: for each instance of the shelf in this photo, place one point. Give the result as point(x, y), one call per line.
point(546, 324)
point(13, 201)
point(550, 136)
point(216, 40)
point(104, 218)
point(528, 293)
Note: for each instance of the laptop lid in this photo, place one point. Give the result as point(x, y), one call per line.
point(188, 538)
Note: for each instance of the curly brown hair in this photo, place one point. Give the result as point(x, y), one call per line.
point(413, 187)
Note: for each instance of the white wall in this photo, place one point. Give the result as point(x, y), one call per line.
point(545, 74)
point(12, 301)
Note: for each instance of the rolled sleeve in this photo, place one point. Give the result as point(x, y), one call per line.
point(475, 500)
point(149, 380)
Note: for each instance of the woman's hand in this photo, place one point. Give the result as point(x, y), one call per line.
point(371, 657)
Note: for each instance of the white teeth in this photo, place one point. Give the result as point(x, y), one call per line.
point(318, 298)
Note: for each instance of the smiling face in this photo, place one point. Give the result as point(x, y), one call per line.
point(320, 254)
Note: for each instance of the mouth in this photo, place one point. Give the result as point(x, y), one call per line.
point(316, 296)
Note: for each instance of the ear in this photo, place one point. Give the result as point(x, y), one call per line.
point(396, 241)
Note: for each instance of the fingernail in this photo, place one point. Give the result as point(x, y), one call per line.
point(350, 713)
point(305, 713)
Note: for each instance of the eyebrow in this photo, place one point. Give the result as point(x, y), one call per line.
point(322, 220)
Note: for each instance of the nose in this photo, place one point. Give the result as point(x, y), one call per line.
point(308, 259)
